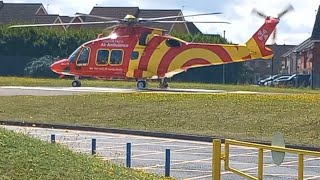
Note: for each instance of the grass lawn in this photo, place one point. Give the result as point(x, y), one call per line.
point(19, 81)
point(26, 158)
point(229, 115)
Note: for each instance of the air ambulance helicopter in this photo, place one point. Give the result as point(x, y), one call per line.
point(134, 50)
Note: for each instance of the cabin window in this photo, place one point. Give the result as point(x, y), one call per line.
point(143, 40)
point(102, 57)
point(173, 43)
point(74, 55)
point(84, 56)
point(116, 57)
point(134, 55)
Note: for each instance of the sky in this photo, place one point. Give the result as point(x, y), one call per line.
point(294, 27)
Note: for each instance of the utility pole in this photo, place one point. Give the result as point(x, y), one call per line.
point(48, 8)
point(223, 66)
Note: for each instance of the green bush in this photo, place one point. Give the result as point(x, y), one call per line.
point(38, 42)
point(40, 67)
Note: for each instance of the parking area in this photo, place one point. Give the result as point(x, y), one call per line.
point(189, 159)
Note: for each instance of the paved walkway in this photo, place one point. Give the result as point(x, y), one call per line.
point(189, 159)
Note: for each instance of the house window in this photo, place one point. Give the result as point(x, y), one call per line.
point(102, 57)
point(116, 57)
point(134, 55)
point(84, 56)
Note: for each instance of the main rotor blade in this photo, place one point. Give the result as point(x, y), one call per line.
point(259, 13)
point(95, 16)
point(111, 27)
point(62, 24)
point(285, 11)
point(171, 17)
point(220, 22)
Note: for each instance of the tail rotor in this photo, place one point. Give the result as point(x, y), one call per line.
point(281, 14)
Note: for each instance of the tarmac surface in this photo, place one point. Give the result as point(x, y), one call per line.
point(54, 91)
point(189, 159)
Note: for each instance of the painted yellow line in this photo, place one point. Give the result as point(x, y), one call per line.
point(267, 166)
point(244, 154)
point(303, 166)
point(189, 153)
point(147, 159)
point(179, 150)
point(278, 174)
point(199, 177)
point(139, 144)
point(313, 177)
point(177, 169)
point(184, 162)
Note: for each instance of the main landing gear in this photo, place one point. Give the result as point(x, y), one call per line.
point(142, 84)
point(76, 82)
point(163, 83)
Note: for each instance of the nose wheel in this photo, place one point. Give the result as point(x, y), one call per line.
point(76, 83)
point(141, 84)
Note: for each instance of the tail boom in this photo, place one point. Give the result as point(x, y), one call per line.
point(257, 43)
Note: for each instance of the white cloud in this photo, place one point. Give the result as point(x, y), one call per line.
point(244, 24)
point(294, 28)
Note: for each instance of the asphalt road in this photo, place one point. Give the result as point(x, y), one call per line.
point(52, 91)
point(189, 159)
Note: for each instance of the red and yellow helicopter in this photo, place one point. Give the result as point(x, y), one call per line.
point(133, 50)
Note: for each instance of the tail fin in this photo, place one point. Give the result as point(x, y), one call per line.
point(257, 43)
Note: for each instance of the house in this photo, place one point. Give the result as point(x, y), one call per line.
point(263, 68)
point(49, 19)
point(305, 58)
point(170, 27)
point(35, 13)
point(20, 12)
point(29, 13)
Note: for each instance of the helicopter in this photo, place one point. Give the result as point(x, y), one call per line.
point(135, 51)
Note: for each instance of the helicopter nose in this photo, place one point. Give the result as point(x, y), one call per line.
point(60, 66)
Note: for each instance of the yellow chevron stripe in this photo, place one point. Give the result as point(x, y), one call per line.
point(193, 53)
point(134, 64)
point(253, 46)
point(156, 57)
point(237, 54)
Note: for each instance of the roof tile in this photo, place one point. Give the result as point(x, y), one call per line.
point(18, 12)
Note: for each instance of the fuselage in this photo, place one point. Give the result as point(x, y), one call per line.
point(141, 52)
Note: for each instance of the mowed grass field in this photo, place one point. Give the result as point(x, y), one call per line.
point(26, 158)
point(19, 81)
point(237, 116)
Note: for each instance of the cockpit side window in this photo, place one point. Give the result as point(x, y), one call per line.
point(173, 43)
point(84, 56)
point(74, 55)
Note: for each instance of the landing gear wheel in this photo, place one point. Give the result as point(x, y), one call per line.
point(76, 83)
point(141, 85)
point(163, 84)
